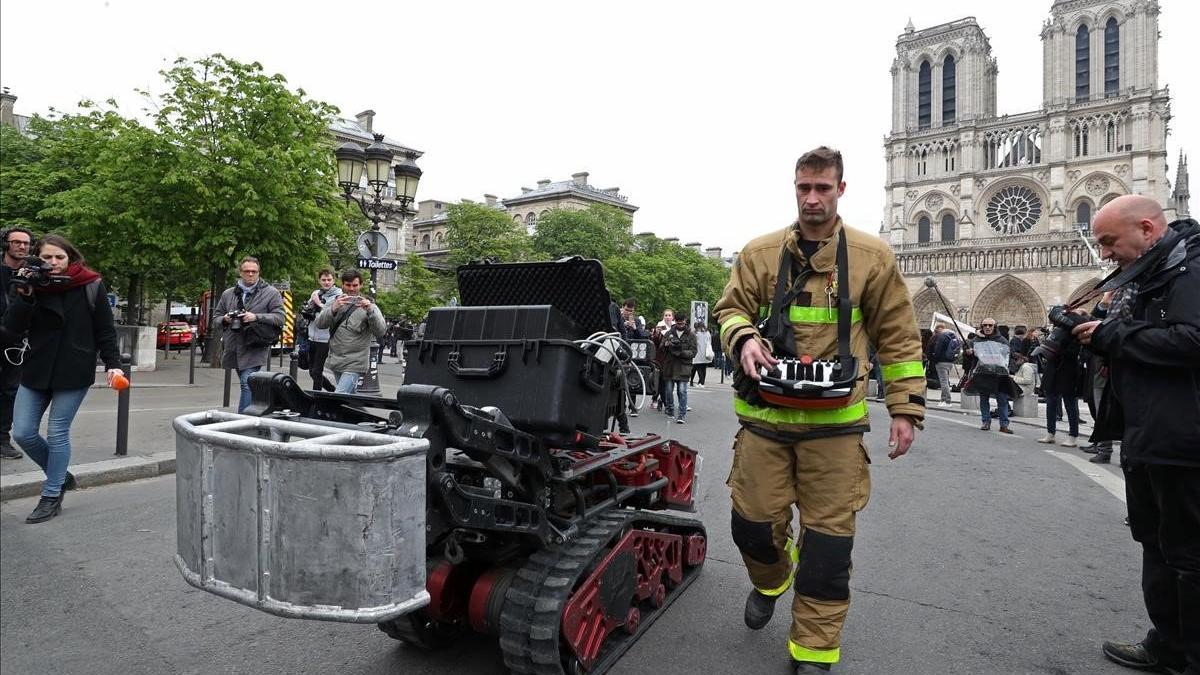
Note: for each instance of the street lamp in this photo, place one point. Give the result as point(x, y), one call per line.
point(376, 161)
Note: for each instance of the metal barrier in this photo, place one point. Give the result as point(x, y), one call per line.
point(301, 520)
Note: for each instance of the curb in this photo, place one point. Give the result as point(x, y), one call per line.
point(94, 474)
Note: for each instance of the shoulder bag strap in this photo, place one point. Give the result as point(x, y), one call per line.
point(844, 307)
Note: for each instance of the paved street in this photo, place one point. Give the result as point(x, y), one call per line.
point(979, 553)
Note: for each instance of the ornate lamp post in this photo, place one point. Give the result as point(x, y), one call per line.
point(376, 161)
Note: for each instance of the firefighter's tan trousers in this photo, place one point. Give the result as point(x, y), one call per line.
point(828, 482)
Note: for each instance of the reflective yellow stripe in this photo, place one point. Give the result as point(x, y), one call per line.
point(896, 371)
point(814, 655)
point(793, 554)
point(850, 413)
point(799, 314)
point(735, 320)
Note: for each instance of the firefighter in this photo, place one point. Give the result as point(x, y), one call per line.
point(809, 452)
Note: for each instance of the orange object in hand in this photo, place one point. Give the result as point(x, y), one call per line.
point(120, 382)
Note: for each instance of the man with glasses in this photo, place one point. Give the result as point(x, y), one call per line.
point(16, 246)
point(250, 299)
point(990, 375)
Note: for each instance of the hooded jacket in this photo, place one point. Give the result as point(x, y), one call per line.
point(350, 346)
point(1150, 339)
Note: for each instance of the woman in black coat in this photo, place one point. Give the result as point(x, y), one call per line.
point(65, 311)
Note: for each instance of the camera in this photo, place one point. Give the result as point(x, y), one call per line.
point(38, 274)
point(235, 319)
point(1064, 321)
point(310, 311)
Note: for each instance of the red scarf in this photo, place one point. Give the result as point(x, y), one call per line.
point(80, 276)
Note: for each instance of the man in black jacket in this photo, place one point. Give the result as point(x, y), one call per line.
point(1151, 340)
point(16, 246)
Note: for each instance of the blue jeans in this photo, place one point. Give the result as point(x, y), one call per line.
point(1071, 404)
point(677, 387)
point(347, 383)
point(244, 377)
point(985, 408)
point(52, 453)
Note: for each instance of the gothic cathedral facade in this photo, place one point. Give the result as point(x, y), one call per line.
point(997, 208)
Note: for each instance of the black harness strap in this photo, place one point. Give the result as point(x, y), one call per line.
point(844, 308)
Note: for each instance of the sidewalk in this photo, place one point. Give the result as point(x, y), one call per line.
point(156, 399)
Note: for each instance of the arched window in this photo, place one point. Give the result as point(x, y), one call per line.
point(1082, 57)
point(948, 91)
point(923, 230)
point(530, 221)
point(1112, 57)
point(924, 96)
point(948, 229)
point(1083, 217)
point(424, 242)
point(438, 240)
point(1110, 137)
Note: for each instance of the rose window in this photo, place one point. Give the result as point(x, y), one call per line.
point(1013, 210)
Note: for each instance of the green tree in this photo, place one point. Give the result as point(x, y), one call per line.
point(476, 232)
point(662, 274)
point(417, 290)
point(102, 177)
point(254, 173)
point(601, 232)
point(22, 183)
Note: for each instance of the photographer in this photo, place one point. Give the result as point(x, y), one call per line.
point(679, 345)
point(1150, 339)
point(318, 338)
point(354, 322)
point(248, 301)
point(63, 307)
point(16, 242)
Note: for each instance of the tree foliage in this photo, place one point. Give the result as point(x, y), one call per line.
point(601, 232)
point(661, 274)
point(255, 170)
point(476, 231)
point(417, 290)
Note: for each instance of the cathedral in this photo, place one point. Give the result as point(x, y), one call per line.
point(997, 209)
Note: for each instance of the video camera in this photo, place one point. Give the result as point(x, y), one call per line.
point(38, 274)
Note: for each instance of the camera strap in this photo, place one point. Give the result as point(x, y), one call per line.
point(1121, 276)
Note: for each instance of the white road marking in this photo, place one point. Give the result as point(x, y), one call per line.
point(1107, 480)
point(1114, 484)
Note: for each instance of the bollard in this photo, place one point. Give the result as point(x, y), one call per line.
point(228, 374)
point(192, 364)
point(293, 365)
point(123, 409)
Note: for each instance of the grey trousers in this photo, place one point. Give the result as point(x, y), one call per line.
point(944, 371)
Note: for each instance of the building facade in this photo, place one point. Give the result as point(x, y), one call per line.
point(997, 209)
point(429, 227)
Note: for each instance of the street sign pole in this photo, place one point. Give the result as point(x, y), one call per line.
point(370, 380)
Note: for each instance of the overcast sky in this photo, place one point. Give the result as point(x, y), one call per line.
point(696, 110)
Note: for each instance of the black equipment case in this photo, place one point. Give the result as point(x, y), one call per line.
point(512, 344)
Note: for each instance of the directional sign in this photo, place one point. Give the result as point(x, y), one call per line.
point(376, 264)
point(372, 244)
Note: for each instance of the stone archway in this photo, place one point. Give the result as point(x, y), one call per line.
point(1011, 302)
point(925, 304)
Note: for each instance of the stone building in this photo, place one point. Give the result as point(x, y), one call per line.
point(428, 229)
point(998, 208)
point(8, 115)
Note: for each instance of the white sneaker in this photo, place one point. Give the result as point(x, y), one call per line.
point(1069, 443)
point(944, 404)
point(1048, 438)
point(699, 386)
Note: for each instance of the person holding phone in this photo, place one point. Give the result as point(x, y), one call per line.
point(354, 322)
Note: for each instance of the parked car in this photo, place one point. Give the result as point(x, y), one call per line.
point(175, 334)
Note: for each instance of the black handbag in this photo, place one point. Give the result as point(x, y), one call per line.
point(258, 334)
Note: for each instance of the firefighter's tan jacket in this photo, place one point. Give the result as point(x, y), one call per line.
point(882, 316)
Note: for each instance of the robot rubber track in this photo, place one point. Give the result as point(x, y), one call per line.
point(553, 581)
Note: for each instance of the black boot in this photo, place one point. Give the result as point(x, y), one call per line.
point(810, 668)
point(759, 609)
point(1101, 457)
point(47, 508)
point(7, 451)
